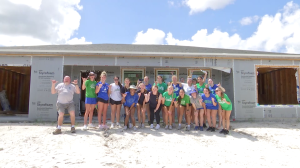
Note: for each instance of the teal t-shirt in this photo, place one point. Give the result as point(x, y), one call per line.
point(200, 88)
point(225, 106)
point(161, 87)
point(90, 87)
point(185, 100)
point(168, 98)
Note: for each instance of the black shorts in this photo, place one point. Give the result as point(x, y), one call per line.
point(182, 105)
point(112, 102)
point(102, 100)
point(190, 104)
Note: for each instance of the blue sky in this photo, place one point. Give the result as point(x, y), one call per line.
point(116, 21)
point(262, 25)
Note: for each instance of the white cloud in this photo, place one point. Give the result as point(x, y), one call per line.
point(249, 20)
point(151, 36)
point(202, 5)
point(278, 33)
point(171, 3)
point(78, 41)
point(39, 22)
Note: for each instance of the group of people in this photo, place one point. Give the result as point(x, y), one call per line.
point(199, 103)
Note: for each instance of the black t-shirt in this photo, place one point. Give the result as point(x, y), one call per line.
point(153, 100)
point(124, 90)
point(142, 97)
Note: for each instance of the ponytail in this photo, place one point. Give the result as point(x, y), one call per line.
point(120, 85)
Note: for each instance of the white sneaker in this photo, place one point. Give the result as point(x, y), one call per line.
point(130, 125)
point(157, 126)
point(105, 126)
point(91, 126)
point(112, 126)
point(134, 128)
point(125, 127)
point(84, 127)
point(179, 126)
point(118, 124)
point(151, 126)
point(100, 127)
point(167, 126)
point(170, 127)
point(143, 125)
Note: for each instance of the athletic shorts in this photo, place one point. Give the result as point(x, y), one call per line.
point(62, 107)
point(102, 100)
point(89, 100)
point(112, 102)
point(182, 105)
point(190, 104)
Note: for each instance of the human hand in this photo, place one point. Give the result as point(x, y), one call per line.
point(84, 79)
point(75, 82)
point(53, 81)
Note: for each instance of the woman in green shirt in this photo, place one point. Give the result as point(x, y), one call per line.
point(90, 98)
point(168, 102)
point(183, 102)
point(200, 86)
point(226, 106)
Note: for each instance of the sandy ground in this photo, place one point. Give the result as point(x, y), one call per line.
point(250, 144)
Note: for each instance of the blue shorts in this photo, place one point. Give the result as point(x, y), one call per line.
point(90, 100)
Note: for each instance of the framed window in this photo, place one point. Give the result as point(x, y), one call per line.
point(133, 74)
point(166, 73)
point(198, 72)
point(276, 85)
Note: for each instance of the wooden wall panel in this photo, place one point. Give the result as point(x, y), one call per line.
point(277, 87)
point(17, 86)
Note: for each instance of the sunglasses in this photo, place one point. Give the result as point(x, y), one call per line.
point(217, 90)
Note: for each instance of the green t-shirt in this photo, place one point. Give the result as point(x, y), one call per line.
point(200, 88)
point(90, 87)
point(225, 106)
point(161, 87)
point(185, 100)
point(168, 98)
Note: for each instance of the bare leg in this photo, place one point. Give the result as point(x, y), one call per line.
point(113, 113)
point(201, 114)
point(92, 107)
point(209, 117)
point(228, 119)
point(192, 116)
point(180, 114)
point(143, 109)
point(60, 118)
point(138, 106)
point(118, 112)
point(86, 114)
point(132, 115)
point(148, 111)
point(223, 119)
point(105, 105)
point(188, 120)
point(196, 113)
point(220, 117)
point(127, 115)
point(100, 109)
point(72, 116)
point(214, 117)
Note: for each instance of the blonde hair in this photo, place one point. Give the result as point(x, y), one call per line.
point(103, 73)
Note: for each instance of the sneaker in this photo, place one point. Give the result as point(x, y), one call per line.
point(166, 127)
point(188, 128)
point(143, 125)
point(112, 126)
point(105, 126)
point(226, 132)
point(100, 126)
point(157, 126)
point(73, 130)
point(170, 127)
point(222, 131)
point(130, 125)
point(57, 131)
point(213, 129)
point(209, 128)
point(84, 127)
point(151, 126)
point(179, 126)
point(196, 127)
point(118, 124)
point(125, 127)
point(91, 126)
point(204, 126)
point(134, 128)
point(201, 128)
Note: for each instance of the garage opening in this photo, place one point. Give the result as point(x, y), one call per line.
point(277, 86)
point(14, 90)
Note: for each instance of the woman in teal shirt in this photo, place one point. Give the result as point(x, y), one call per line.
point(226, 106)
point(183, 101)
